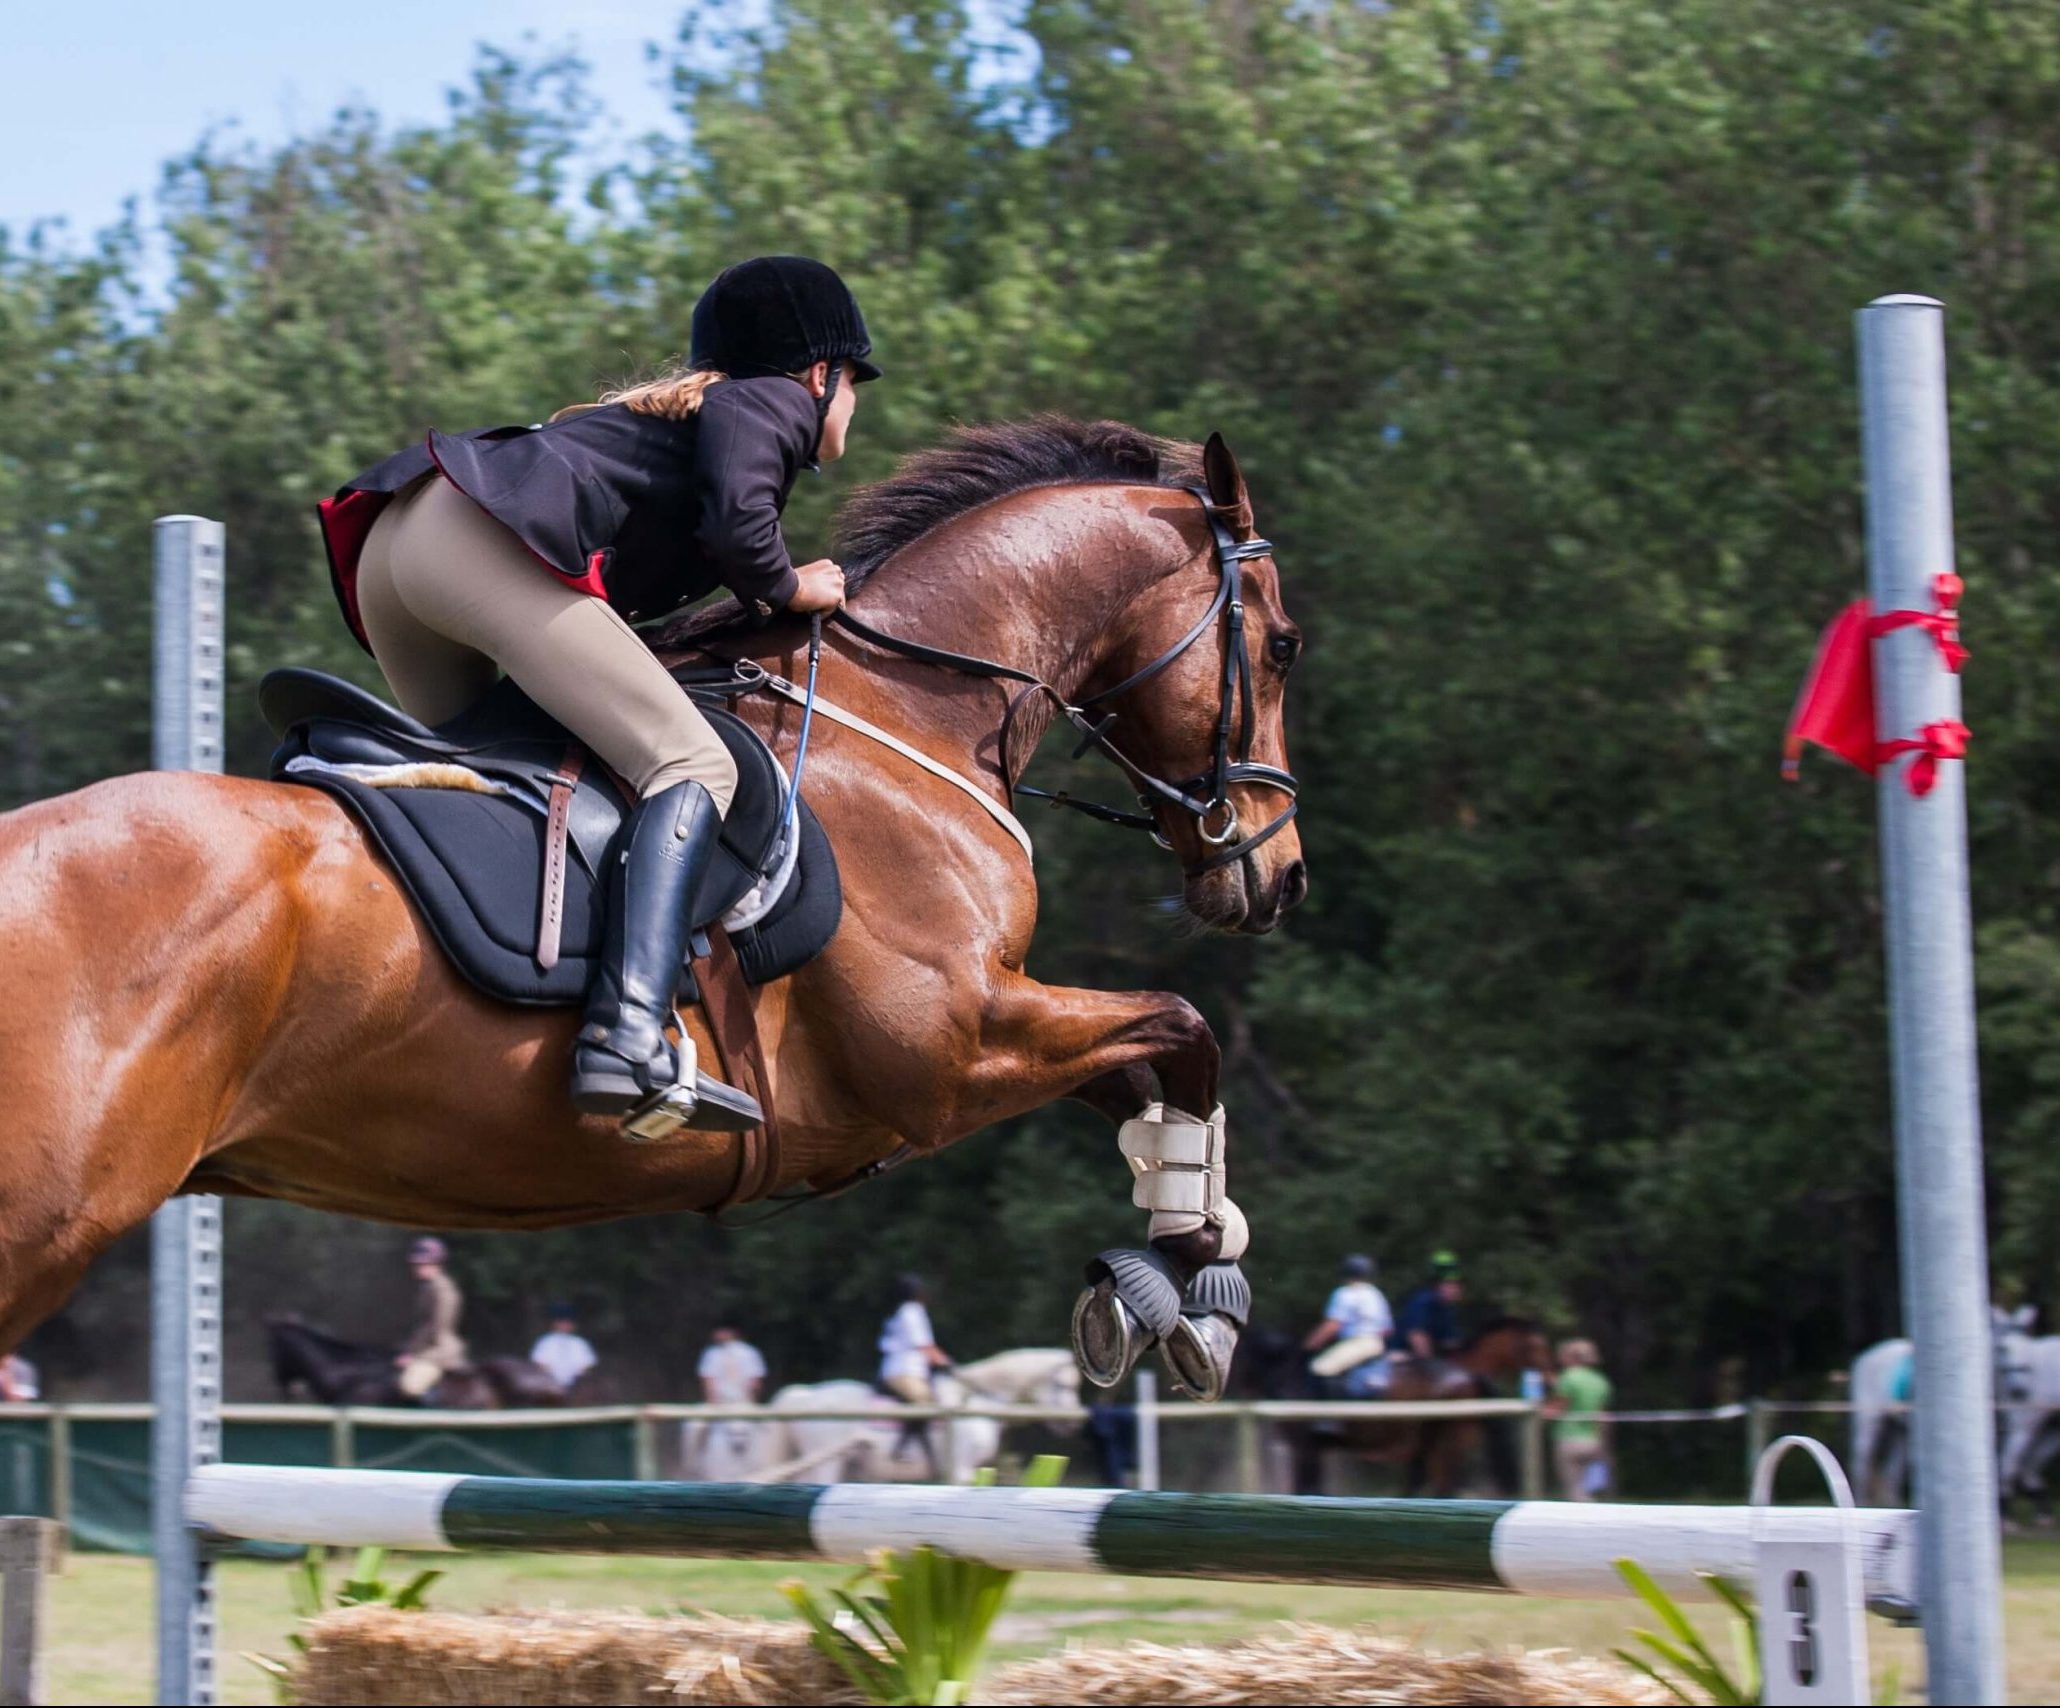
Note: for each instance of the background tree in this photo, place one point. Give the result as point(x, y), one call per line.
point(1531, 325)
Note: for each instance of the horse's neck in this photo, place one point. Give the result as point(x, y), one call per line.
point(1497, 1353)
point(1039, 582)
point(1009, 1376)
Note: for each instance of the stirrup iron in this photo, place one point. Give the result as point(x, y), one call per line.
point(694, 1102)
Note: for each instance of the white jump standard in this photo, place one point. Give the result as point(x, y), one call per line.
point(1547, 1548)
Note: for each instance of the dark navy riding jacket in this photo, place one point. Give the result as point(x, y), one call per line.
point(1438, 1317)
point(643, 512)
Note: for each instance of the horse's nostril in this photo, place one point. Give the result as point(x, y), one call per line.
point(1294, 886)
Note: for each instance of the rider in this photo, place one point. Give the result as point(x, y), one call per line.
point(909, 1353)
point(1356, 1322)
point(435, 1349)
point(1430, 1315)
point(909, 1358)
point(529, 550)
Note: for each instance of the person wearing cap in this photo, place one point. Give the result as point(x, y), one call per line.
point(564, 1354)
point(1430, 1315)
point(435, 1348)
point(531, 551)
point(1356, 1325)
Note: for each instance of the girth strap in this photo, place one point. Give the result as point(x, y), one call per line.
point(551, 910)
point(732, 1012)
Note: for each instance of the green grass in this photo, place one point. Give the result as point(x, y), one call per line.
point(101, 1612)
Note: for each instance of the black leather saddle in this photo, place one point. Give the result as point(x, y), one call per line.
point(467, 836)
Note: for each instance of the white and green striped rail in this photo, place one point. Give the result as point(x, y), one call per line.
point(1525, 1547)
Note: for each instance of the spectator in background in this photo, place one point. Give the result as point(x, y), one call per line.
point(732, 1370)
point(565, 1354)
point(435, 1348)
point(1430, 1315)
point(18, 1379)
point(1580, 1437)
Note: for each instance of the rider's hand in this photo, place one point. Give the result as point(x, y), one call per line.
point(822, 586)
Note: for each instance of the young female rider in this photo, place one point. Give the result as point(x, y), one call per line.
point(528, 550)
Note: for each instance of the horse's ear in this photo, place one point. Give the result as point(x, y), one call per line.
point(1226, 481)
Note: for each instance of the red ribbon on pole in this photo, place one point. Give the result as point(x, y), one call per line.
point(1835, 709)
point(1944, 740)
point(1942, 622)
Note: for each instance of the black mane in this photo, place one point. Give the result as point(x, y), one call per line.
point(975, 466)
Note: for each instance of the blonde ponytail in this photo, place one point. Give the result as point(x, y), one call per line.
point(673, 395)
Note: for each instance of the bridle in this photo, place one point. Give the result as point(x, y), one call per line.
point(1206, 796)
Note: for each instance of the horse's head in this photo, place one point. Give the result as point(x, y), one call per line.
point(2014, 1350)
point(1210, 716)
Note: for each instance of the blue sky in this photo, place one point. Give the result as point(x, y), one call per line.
point(95, 94)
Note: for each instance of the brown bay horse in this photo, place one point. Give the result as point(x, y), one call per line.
point(220, 988)
point(1433, 1453)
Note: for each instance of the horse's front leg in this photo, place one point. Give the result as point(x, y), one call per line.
point(1150, 1062)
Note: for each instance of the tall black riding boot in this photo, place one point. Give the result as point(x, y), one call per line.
point(623, 1056)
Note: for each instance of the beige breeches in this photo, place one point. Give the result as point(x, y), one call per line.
point(450, 598)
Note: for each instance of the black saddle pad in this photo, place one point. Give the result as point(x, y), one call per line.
point(471, 858)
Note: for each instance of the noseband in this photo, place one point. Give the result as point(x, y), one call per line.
point(1205, 797)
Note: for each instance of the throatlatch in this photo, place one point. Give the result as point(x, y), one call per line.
point(1139, 1299)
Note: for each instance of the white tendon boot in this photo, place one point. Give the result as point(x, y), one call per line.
point(1135, 1299)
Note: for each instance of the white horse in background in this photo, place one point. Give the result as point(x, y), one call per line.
point(829, 1450)
point(2030, 1438)
point(1880, 1460)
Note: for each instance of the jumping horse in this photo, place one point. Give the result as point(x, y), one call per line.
point(220, 987)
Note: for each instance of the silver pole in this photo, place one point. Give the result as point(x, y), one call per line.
point(186, 1234)
point(1147, 1429)
point(1931, 1010)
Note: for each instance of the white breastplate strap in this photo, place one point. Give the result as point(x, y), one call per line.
point(851, 720)
point(1178, 1160)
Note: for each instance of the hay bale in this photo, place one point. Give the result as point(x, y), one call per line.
point(366, 1656)
point(1313, 1665)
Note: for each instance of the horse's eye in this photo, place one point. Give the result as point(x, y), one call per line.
point(1284, 650)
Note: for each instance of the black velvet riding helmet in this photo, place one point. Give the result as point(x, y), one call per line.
point(777, 314)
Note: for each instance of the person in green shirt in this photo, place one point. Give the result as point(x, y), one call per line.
point(1580, 1437)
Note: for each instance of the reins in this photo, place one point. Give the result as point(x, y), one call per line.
point(1203, 796)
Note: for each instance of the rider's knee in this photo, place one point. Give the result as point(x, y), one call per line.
point(705, 762)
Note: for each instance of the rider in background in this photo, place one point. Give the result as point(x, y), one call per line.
point(1356, 1325)
point(530, 550)
point(435, 1348)
point(1430, 1315)
point(564, 1354)
point(909, 1353)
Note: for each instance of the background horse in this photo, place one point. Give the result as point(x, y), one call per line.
point(1879, 1458)
point(310, 1363)
point(1435, 1453)
point(814, 1450)
point(232, 994)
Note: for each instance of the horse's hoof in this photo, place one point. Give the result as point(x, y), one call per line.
point(1197, 1355)
point(1219, 1290)
point(1108, 1340)
point(1132, 1300)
